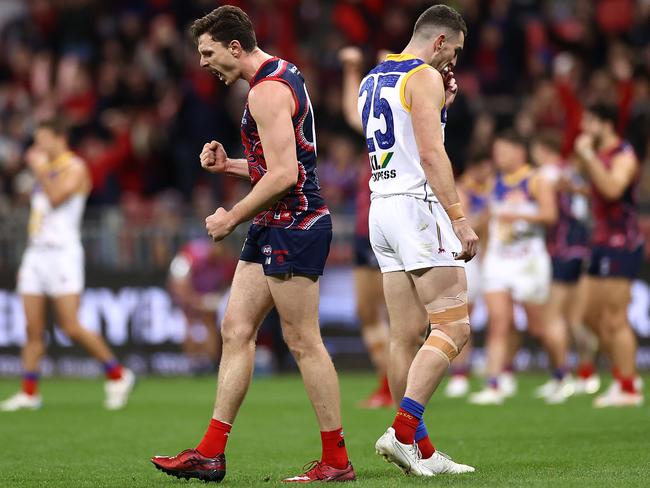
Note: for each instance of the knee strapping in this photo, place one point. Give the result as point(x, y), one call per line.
point(449, 312)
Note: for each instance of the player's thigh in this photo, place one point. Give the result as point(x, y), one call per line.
point(369, 294)
point(499, 305)
point(249, 302)
point(557, 300)
point(535, 315)
point(575, 303)
point(440, 281)
point(66, 308)
point(296, 299)
point(35, 308)
point(593, 301)
point(406, 312)
point(616, 297)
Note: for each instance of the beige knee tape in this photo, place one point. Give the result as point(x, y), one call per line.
point(439, 341)
point(441, 344)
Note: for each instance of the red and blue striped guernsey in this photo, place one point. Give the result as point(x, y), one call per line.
point(302, 207)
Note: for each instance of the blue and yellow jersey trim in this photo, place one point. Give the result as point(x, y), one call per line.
point(409, 65)
point(61, 162)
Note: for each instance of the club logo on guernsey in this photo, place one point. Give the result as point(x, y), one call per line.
point(380, 170)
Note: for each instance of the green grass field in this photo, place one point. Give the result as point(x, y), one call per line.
point(73, 442)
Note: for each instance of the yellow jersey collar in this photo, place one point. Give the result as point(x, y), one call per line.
point(517, 176)
point(61, 161)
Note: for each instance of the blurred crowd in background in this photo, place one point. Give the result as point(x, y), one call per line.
point(125, 74)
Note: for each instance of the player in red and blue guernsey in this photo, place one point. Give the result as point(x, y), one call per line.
point(285, 250)
point(617, 248)
point(567, 242)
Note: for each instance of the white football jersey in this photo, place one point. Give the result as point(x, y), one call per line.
point(387, 124)
point(58, 226)
point(513, 194)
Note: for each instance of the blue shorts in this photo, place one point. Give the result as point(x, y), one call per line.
point(363, 253)
point(287, 251)
point(609, 262)
point(567, 270)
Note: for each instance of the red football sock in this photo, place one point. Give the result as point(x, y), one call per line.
point(616, 373)
point(215, 438)
point(113, 370)
point(334, 453)
point(30, 383)
point(627, 384)
point(385, 388)
point(405, 425)
point(585, 370)
point(426, 447)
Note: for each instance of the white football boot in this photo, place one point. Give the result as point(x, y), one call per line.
point(546, 389)
point(118, 391)
point(457, 386)
point(508, 384)
point(564, 389)
point(587, 386)
point(405, 457)
point(487, 396)
point(615, 397)
point(440, 463)
point(21, 401)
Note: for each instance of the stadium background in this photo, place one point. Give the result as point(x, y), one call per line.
point(126, 75)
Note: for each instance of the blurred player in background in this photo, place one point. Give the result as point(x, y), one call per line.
point(199, 276)
point(568, 244)
point(53, 266)
point(417, 228)
point(284, 253)
point(516, 265)
point(371, 307)
point(617, 248)
point(474, 187)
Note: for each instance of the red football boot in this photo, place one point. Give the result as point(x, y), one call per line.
point(192, 464)
point(378, 399)
point(317, 471)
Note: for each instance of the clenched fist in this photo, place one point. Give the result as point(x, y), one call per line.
point(351, 56)
point(213, 157)
point(219, 225)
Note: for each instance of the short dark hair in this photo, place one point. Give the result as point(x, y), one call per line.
point(56, 124)
point(513, 137)
point(477, 157)
point(550, 139)
point(604, 112)
point(441, 16)
point(225, 24)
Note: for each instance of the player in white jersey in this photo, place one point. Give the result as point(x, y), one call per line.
point(516, 265)
point(417, 228)
point(52, 266)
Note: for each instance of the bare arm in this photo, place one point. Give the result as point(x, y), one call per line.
point(425, 93)
point(352, 61)
point(545, 194)
point(215, 160)
point(71, 180)
point(611, 183)
point(271, 104)
point(237, 168)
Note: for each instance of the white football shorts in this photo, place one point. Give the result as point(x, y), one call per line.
point(527, 278)
point(407, 233)
point(51, 271)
